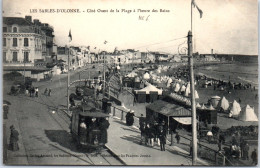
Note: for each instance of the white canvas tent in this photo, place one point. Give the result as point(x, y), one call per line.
point(236, 109)
point(196, 95)
point(146, 76)
point(132, 74)
point(177, 87)
point(183, 88)
point(248, 114)
point(150, 88)
point(224, 104)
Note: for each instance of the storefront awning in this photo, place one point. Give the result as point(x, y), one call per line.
point(183, 120)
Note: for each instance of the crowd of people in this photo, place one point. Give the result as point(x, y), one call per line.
point(152, 133)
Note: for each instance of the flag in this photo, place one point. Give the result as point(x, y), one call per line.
point(70, 36)
point(105, 42)
point(95, 47)
point(195, 5)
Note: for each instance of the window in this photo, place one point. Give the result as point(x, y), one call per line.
point(4, 41)
point(15, 57)
point(26, 56)
point(26, 42)
point(4, 29)
point(4, 56)
point(15, 42)
point(14, 29)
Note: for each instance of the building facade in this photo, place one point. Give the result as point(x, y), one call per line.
point(24, 42)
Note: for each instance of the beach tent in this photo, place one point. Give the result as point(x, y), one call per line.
point(248, 114)
point(211, 107)
point(132, 74)
point(236, 109)
point(146, 76)
point(183, 87)
point(150, 88)
point(196, 95)
point(215, 100)
point(203, 107)
point(224, 104)
point(198, 105)
point(187, 92)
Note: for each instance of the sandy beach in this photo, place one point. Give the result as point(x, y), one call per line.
point(247, 97)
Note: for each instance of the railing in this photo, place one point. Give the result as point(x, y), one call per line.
point(213, 155)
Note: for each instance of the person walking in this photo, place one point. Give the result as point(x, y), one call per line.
point(14, 137)
point(49, 93)
point(254, 157)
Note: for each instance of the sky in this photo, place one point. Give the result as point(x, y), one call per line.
point(227, 26)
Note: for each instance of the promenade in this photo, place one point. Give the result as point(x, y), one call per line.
point(124, 141)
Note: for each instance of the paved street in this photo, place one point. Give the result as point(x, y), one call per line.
point(44, 134)
point(45, 137)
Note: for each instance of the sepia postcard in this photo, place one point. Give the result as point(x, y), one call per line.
point(130, 82)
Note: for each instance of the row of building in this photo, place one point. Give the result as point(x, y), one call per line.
point(29, 48)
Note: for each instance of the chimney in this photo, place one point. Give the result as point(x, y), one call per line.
point(211, 51)
point(28, 18)
point(36, 21)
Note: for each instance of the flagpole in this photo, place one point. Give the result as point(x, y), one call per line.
point(193, 107)
point(68, 80)
point(191, 15)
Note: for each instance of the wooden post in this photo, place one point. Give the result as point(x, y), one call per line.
point(122, 115)
point(171, 138)
point(193, 106)
point(114, 111)
point(216, 158)
point(68, 82)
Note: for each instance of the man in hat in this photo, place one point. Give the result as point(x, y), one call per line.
point(14, 137)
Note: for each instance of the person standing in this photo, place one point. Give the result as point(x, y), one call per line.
point(254, 157)
point(130, 118)
point(245, 152)
point(177, 137)
point(83, 131)
point(149, 134)
point(210, 136)
point(49, 93)
point(36, 91)
point(46, 92)
point(191, 148)
point(162, 137)
point(143, 136)
point(14, 137)
point(104, 124)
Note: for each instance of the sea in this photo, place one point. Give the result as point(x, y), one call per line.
point(239, 71)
